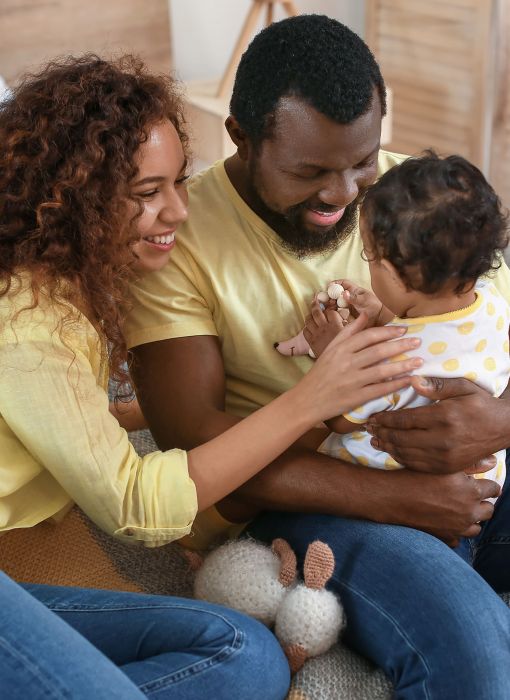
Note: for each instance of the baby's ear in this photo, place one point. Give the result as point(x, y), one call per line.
point(288, 566)
point(319, 565)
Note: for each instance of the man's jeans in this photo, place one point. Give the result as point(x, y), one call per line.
point(131, 646)
point(414, 606)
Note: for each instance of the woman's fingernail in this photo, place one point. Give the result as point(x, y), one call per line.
point(415, 342)
point(401, 330)
point(417, 362)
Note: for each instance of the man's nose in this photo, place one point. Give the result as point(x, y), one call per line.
point(339, 189)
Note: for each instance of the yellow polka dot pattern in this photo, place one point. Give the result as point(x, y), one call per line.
point(480, 347)
point(390, 463)
point(345, 455)
point(466, 328)
point(451, 365)
point(490, 364)
point(437, 348)
point(472, 376)
point(491, 309)
point(500, 323)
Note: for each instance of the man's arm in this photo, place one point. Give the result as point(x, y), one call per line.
point(181, 388)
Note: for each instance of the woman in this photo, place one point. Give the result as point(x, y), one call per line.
point(92, 173)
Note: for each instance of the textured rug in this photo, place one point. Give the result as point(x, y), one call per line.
point(75, 552)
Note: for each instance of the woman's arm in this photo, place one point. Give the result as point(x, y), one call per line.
point(349, 372)
point(53, 405)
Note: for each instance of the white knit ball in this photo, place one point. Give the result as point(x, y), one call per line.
point(323, 297)
point(309, 617)
point(341, 303)
point(242, 575)
point(335, 290)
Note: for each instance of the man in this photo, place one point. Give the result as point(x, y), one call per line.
point(268, 228)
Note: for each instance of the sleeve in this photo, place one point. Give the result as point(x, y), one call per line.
point(390, 402)
point(501, 280)
point(174, 302)
point(361, 414)
point(52, 402)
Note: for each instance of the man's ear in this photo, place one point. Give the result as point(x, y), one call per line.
point(238, 137)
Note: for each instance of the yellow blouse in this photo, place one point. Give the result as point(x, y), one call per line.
point(58, 441)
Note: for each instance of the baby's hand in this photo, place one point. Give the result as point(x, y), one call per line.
point(322, 326)
point(364, 300)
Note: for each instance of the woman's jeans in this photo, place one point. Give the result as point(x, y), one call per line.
point(83, 644)
point(415, 607)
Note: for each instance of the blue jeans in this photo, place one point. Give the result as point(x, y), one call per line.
point(413, 606)
point(81, 644)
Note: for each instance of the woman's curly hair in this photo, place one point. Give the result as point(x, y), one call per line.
point(68, 136)
point(437, 220)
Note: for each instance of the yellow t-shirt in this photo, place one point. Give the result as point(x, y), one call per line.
point(229, 276)
point(59, 443)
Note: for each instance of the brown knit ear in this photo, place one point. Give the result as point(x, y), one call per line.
point(296, 656)
point(319, 565)
point(288, 568)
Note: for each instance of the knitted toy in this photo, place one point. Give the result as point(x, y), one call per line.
point(298, 345)
point(261, 582)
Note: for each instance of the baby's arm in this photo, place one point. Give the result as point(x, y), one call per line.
point(321, 327)
point(342, 425)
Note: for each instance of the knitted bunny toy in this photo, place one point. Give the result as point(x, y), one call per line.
point(261, 582)
point(298, 345)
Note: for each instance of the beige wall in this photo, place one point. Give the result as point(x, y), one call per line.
point(33, 31)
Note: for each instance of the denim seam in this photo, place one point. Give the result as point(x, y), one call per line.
point(381, 611)
point(48, 683)
point(158, 684)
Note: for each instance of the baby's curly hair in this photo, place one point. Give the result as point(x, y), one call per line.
point(312, 57)
point(437, 220)
point(68, 136)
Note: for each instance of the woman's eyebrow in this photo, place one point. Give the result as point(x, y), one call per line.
point(151, 178)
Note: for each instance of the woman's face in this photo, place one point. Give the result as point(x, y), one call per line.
point(159, 185)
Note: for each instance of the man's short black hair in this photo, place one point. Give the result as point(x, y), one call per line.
point(437, 220)
point(312, 57)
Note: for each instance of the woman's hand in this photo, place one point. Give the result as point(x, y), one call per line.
point(352, 369)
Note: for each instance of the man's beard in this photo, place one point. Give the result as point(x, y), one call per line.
point(296, 238)
point(300, 241)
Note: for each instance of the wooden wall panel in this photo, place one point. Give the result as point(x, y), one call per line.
point(33, 31)
point(500, 160)
point(436, 57)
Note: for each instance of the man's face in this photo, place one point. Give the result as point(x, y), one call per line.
point(307, 177)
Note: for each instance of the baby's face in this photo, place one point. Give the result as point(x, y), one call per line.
point(384, 284)
point(159, 186)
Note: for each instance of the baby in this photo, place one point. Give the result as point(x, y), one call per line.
point(430, 227)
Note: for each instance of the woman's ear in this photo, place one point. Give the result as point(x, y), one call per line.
point(238, 137)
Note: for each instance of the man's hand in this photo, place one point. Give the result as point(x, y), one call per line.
point(448, 506)
point(456, 434)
